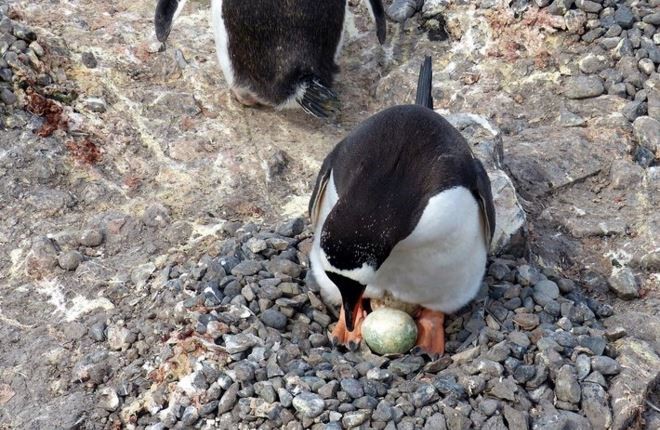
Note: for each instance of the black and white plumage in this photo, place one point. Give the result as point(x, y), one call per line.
point(402, 209)
point(277, 52)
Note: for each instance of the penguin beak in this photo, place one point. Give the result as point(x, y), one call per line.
point(351, 309)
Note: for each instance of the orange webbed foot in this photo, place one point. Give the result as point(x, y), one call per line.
point(351, 339)
point(431, 331)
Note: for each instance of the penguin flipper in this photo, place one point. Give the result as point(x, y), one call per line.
point(378, 13)
point(485, 199)
point(318, 100)
point(166, 11)
point(425, 85)
point(319, 189)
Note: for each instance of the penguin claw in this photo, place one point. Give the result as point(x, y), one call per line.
point(353, 345)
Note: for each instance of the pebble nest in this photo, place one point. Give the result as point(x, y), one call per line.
point(251, 350)
point(238, 338)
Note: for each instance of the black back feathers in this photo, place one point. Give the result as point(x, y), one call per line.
point(165, 11)
point(424, 85)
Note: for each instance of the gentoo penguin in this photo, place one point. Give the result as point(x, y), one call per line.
point(402, 213)
point(277, 52)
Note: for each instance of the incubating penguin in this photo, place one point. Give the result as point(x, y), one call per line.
point(277, 52)
point(402, 212)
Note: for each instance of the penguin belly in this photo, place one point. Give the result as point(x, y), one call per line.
point(440, 265)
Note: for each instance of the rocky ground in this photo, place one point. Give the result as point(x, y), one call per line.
point(153, 244)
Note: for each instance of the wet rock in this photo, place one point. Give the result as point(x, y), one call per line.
point(623, 283)
point(581, 87)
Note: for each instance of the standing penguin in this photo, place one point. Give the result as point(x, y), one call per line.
point(277, 52)
point(403, 213)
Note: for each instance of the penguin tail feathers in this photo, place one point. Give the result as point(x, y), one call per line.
point(424, 84)
point(378, 12)
point(317, 99)
point(165, 13)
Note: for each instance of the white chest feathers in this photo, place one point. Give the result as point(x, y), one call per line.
point(440, 265)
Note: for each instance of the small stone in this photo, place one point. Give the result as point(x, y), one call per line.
point(623, 283)
point(228, 399)
point(97, 331)
point(633, 110)
point(624, 17)
point(504, 389)
point(528, 275)
point(354, 419)
point(89, 60)
point(582, 366)
point(595, 404)
point(489, 406)
point(647, 133)
point(646, 65)
point(69, 260)
point(519, 338)
point(120, 338)
point(291, 228)
point(545, 291)
point(588, 6)
point(96, 104)
point(605, 365)
point(7, 96)
point(108, 399)
point(91, 238)
point(567, 388)
point(596, 344)
point(575, 21)
point(246, 268)
point(389, 331)
point(141, 274)
point(256, 245)
point(581, 87)
point(352, 387)
point(274, 318)
point(308, 404)
point(527, 322)
point(189, 416)
point(566, 285)
point(240, 342)
point(265, 390)
point(424, 395)
point(436, 422)
point(517, 420)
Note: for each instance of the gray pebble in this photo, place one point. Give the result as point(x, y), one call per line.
point(624, 17)
point(89, 60)
point(189, 416)
point(7, 96)
point(545, 291)
point(308, 404)
point(580, 87)
point(91, 238)
point(605, 365)
point(69, 260)
point(352, 387)
point(567, 388)
point(595, 405)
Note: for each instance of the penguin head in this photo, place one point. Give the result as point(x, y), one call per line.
point(354, 244)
